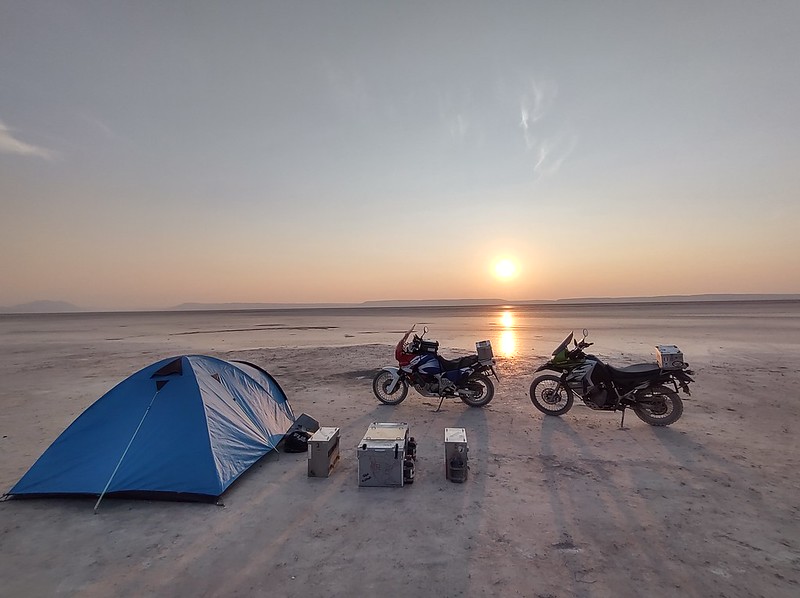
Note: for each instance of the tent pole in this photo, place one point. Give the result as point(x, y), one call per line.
point(125, 452)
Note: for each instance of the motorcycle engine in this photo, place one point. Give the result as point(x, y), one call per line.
point(432, 387)
point(598, 397)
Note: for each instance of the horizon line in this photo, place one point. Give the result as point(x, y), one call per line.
point(54, 307)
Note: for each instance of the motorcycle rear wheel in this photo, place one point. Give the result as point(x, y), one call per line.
point(483, 389)
point(380, 386)
point(658, 406)
point(550, 396)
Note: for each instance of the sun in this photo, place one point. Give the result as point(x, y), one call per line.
point(505, 269)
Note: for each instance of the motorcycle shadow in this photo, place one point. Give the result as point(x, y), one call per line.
point(583, 483)
point(688, 451)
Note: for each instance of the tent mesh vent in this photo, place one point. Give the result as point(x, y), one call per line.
point(173, 368)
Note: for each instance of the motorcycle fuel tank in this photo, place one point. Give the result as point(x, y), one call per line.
point(427, 365)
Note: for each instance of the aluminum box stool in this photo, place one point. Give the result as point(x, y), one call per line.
point(323, 452)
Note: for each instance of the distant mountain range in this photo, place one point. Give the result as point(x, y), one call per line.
point(680, 298)
point(489, 301)
point(40, 307)
point(431, 302)
point(583, 300)
point(245, 306)
point(469, 302)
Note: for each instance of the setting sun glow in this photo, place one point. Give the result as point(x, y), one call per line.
point(505, 269)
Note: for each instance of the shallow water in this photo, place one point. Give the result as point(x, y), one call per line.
point(698, 328)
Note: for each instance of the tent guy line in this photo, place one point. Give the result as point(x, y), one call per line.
point(103, 493)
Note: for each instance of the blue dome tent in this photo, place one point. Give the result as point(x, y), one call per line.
point(185, 428)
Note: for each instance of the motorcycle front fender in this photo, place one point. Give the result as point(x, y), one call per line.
point(545, 366)
point(395, 372)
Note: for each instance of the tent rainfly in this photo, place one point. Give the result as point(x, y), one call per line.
point(182, 428)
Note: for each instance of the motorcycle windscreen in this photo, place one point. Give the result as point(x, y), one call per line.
point(564, 344)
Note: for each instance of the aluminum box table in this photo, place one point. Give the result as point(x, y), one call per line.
point(381, 454)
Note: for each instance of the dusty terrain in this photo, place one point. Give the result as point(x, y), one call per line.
point(570, 506)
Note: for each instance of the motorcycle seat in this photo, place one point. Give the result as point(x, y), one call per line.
point(631, 372)
point(449, 365)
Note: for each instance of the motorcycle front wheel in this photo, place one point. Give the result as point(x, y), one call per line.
point(381, 384)
point(481, 391)
point(550, 396)
point(658, 406)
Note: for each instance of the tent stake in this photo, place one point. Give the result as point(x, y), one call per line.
point(125, 452)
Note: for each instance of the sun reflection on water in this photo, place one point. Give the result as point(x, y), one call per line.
point(508, 338)
point(508, 343)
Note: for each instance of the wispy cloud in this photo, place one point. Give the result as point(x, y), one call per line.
point(9, 144)
point(534, 104)
point(459, 126)
point(458, 117)
point(99, 125)
point(550, 150)
point(551, 153)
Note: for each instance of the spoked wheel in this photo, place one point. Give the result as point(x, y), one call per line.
point(381, 384)
point(480, 392)
point(550, 396)
point(658, 406)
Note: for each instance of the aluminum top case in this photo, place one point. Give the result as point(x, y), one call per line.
point(484, 350)
point(669, 357)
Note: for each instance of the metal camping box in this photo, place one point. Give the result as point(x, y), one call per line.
point(323, 452)
point(484, 349)
point(381, 454)
point(455, 454)
point(669, 357)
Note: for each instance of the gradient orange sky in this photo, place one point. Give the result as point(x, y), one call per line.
point(352, 151)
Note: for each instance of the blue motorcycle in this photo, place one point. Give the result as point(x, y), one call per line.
point(431, 375)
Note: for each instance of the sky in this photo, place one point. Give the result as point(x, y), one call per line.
point(155, 153)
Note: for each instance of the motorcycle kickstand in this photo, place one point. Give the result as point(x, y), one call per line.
point(441, 400)
point(622, 421)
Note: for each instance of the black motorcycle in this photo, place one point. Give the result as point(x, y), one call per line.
point(650, 389)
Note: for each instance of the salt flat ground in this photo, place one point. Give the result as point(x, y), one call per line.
point(570, 506)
